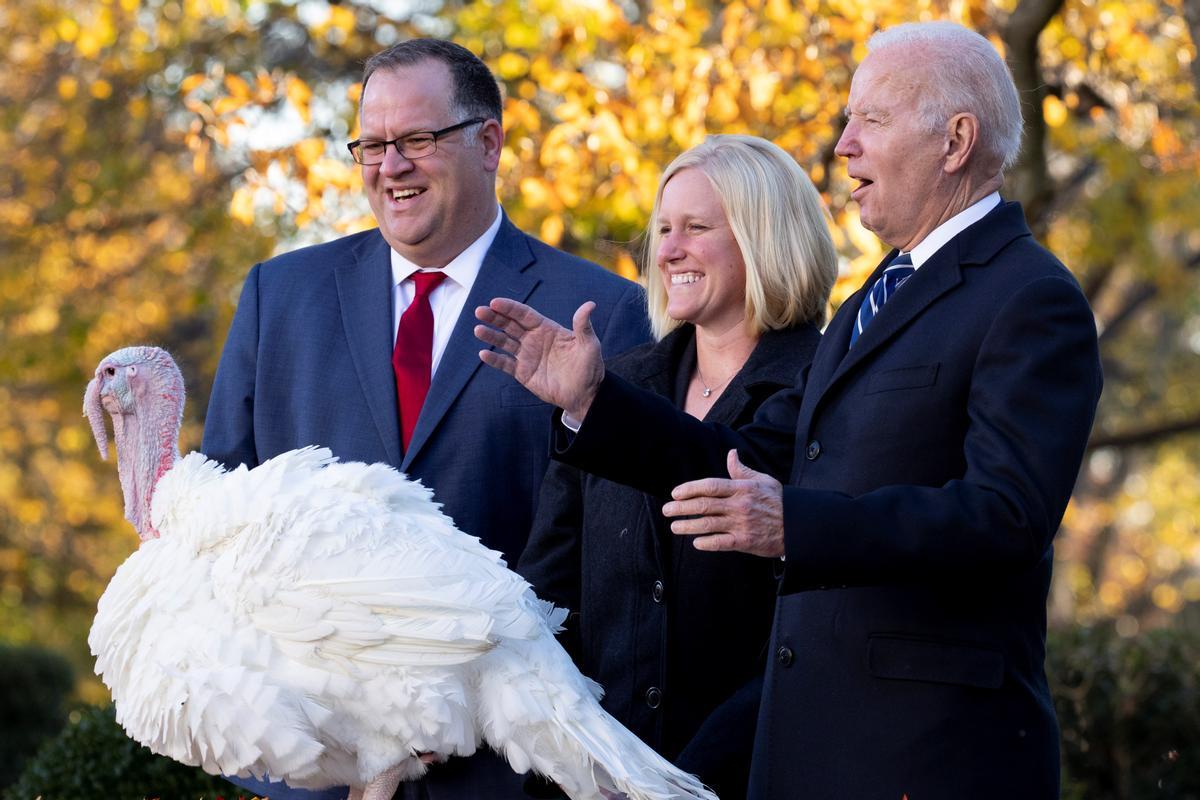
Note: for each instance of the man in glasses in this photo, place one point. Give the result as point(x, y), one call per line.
point(365, 344)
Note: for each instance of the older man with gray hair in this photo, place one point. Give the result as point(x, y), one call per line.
point(914, 480)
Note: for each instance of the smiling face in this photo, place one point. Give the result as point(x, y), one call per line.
point(903, 191)
point(701, 264)
point(431, 208)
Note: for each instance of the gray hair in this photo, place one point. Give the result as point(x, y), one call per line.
point(965, 73)
point(779, 222)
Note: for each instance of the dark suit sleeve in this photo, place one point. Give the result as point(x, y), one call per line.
point(552, 560)
point(229, 424)
point(635, 437)
point(1031, 403)
point(626, 325)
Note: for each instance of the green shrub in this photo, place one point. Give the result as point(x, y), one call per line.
point(93, 758)
point(34, 684)
point(1129, 709)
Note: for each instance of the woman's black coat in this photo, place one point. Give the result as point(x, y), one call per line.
point(670, 632)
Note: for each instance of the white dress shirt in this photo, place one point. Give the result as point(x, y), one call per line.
point(447, 300)
point(952, 227)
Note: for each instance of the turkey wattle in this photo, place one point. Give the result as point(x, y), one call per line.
point(324, 622)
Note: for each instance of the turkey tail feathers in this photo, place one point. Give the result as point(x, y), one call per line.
point(539, 718)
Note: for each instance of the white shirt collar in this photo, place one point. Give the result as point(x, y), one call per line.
point(952, 227)
point(463, 269)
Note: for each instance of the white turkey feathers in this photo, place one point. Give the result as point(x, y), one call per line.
point(326, 623)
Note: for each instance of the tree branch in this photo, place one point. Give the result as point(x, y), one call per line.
point(1191, 12)
point(1149, 434)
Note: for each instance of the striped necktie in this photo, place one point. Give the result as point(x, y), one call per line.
point(893, 277)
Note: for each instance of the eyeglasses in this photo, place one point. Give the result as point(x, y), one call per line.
point(418, 144)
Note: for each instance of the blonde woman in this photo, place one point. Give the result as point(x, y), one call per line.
point(740, 266)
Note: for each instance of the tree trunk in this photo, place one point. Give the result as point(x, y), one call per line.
point(1029, 181)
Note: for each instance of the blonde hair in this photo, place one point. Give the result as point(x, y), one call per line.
point(779, 222)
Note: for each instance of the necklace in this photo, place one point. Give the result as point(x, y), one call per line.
point(707, 390)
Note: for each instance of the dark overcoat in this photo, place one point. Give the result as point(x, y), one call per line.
point(926, 472)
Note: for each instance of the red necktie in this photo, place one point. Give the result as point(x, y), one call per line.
point(412, 360)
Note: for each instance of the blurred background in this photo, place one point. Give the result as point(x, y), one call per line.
point(152, 150)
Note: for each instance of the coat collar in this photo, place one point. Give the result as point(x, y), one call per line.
point(975, 246)
point(774, 363)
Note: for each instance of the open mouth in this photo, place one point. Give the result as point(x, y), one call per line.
point(685, 278)
point(400, 195)
point(863, 185)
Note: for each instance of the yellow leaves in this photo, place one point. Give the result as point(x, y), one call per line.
point(731, 30)
point(309, 150)
point(330, 172)
point(1167, 597)
point(1054, 111)
point(763, 86)
point(723, 105)
point(237, 86)
point(626, 267)
point(522, 114)
point(511, 65)
point(552, 229)
point(537, 193)
point(30, 512)
point(67, 29)
point(40, 320)
point(522, 36)
point(14, 213)
point(68, 87)
point(192, 82)
point(1165, 142)
point(341, 19)
point(299, 94)
point(241, 207)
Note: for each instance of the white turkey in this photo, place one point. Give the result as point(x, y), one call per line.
point(326, 623)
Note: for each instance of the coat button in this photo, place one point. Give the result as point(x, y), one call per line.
point(785, 656)
point(654, 697)
point(814, 450)
point(657, 591)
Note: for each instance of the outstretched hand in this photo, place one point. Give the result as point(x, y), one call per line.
point(562, 367)
point(743, 513)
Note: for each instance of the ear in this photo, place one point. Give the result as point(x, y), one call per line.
point(491, 139)
point(962, 137)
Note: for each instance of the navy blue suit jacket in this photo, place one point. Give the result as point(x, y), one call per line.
point(926, 472)
point(308, 362)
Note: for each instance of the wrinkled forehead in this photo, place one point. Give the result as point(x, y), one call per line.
point(898, 71)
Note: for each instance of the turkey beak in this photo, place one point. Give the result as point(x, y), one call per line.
point(95, 415)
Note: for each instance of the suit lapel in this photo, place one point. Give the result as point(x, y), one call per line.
point(502, 274)
point(977, 245)
point(938, 275)
point(365, 297)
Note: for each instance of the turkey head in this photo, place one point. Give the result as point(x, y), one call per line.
point(142, 390)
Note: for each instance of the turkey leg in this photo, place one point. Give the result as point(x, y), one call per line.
point(381, 787)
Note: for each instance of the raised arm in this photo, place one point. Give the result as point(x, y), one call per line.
point(562, 367)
